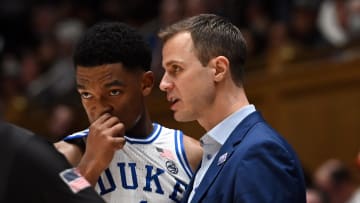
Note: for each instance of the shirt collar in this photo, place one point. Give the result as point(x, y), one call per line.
point(222, 131)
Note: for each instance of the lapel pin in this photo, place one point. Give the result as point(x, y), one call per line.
point(222, 159)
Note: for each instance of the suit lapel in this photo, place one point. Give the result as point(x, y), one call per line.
point(190, 186)
point(224, 154)
point(209, 177)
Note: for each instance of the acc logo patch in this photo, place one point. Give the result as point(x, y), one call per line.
point(171, 167)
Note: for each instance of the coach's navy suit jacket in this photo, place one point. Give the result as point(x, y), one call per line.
point(259, 167)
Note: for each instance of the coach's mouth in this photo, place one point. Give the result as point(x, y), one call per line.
point(173, 102)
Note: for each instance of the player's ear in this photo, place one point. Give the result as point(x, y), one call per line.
point(220, 65)
point(147, 82)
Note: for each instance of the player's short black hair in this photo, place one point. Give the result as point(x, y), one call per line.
point(112, 42)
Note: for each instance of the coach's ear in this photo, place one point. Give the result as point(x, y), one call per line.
point(147, 83)
point(220, 64)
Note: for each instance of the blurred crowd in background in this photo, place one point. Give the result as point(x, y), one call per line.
point(37, 39)
point(332, 182)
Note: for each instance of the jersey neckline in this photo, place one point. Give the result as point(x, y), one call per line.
point(149, 139)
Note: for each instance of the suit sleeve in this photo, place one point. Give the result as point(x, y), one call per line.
point(38, 165)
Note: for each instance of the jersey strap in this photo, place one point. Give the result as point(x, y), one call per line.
point(180, 152)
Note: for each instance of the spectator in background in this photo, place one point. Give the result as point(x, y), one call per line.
point(354, 19)
point(59, 81)
point(61, 122)
point(336, 181)
point(302, 26)
point(339, 21)
point(266, 20)
point(314, 195)
point(170, 11)
point(12, 96)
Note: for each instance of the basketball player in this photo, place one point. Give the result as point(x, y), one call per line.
point(130, 158)
point(33, 171)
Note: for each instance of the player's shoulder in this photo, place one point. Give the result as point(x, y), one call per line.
point(77, 135)
point(166, 130)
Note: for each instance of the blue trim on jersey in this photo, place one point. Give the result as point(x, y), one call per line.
point(180, 153)
point(154, 134)
point(77, 135)
point(184, 153)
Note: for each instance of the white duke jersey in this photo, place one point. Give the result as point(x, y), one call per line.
point(154, 169)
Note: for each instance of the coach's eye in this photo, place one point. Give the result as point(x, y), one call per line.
point(176, 68)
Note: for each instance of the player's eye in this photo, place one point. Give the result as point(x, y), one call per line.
point(115, 92)
point(85, 95)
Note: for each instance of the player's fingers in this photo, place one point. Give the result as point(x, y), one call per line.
point(98, 126)
point(118, 130)
point(102, 119)
point(110, 122)
point(118, 142)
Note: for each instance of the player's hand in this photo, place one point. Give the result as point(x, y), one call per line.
point(106, 136)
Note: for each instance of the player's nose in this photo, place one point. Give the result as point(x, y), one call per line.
point(104, 107)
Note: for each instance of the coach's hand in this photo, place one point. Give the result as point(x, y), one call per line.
point(106, 136)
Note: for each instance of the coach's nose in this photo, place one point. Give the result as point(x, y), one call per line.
point(166, 83)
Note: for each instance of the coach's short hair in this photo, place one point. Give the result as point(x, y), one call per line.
point(112, 42)
point(212, 36)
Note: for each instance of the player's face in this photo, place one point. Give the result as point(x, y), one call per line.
point(188, 84)
point(111, 89)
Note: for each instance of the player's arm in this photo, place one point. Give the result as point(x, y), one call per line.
point(106, 136)
point(193, 152)
point(71, 151)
